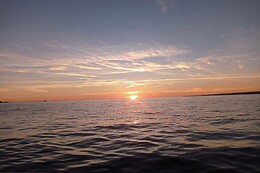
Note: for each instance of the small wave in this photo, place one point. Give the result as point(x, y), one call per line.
point(224, 121)
point(204, 160)
point(220, 136)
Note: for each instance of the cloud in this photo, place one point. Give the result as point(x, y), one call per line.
point(206, 60)
point(119, 59)
point(165, 5)
point(130, 66)
point(154, 51)
point(242, 38)
point(58, 68)
point(222, 62)
point(4, 90)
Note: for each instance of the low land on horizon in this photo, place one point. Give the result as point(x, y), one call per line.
point(235, 93)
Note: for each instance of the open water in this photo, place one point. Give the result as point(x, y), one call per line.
point(181, 134)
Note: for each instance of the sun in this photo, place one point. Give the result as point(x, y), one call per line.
point(133, 97)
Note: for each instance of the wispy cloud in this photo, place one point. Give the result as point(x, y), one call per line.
point(111, 68)
point(206, 60)
point(99, 61)
point(165, 5)
point(58, 68)
point(230, 63)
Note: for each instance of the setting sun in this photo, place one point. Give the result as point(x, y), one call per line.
point(134, 97)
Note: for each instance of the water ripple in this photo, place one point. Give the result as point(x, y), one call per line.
point(162, 135)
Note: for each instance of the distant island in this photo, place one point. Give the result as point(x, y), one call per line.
point(4, 102)
point(236, 93)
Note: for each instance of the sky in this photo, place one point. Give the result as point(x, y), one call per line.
point(99, 49)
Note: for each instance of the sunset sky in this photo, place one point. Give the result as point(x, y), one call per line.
point(95, 49)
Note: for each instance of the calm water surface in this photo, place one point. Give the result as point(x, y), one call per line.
point(184, 134)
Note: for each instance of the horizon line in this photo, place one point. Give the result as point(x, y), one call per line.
point(125, 98)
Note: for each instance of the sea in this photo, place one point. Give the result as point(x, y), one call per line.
point(206, 134)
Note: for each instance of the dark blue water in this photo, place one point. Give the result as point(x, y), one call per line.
point(184, 134)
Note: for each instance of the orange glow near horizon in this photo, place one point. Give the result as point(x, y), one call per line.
point(148, 92)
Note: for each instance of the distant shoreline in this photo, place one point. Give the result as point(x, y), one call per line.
point(216, 94)
point(236, 93)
